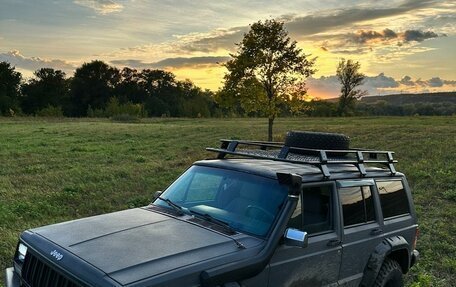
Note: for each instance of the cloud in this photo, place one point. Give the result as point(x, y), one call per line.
point(370, 36)
point(435, 82)
point(15, 58)
point(381, 81)
point(300, 26)
point(313, 24)
point(407, 81)
point(101, 7)
point(449, 82)
point(220, 39)
point(418, 36)
point(178, 62)
point(362, 36)
point(385, 44)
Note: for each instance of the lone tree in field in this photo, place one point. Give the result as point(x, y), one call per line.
point(265, 72)
point(350, 78)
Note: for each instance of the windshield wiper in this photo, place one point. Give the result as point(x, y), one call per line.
point(176, 207)
point(221, 223)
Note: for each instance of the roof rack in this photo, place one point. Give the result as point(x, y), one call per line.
point(278, 151)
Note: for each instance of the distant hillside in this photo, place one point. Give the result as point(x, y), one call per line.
point(401, 99)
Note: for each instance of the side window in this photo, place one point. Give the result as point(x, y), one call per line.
point(357, 205)
point(393, 198)
point(314, 211)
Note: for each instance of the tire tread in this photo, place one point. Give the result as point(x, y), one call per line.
point(387, 268)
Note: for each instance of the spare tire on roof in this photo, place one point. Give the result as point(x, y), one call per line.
point(317, 140)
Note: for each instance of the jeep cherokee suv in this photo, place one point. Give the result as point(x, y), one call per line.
point(306, 212)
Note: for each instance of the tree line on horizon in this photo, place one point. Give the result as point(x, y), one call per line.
point(265, 78)
point(99, 90)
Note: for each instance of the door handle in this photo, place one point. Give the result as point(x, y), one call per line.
point(376, 231)
point(333, 242)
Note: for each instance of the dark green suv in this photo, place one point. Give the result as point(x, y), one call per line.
point(306, 212)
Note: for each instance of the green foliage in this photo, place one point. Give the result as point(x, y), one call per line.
point(350, 77)
point(114, 108)
point(50, 111)
point(10, 81)
point(265, 72)
point(92, 85)
point(99, 90)
point(95, 113)
point(48, 88)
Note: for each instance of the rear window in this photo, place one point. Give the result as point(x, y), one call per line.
point(393, 198)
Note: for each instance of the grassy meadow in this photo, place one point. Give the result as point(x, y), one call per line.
point(57, 170)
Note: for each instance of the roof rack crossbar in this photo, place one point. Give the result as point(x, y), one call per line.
point(357, 155)
point(284, 152)
point(391, 162)
point(323, 164)
point(229, 146)
point(360, 165)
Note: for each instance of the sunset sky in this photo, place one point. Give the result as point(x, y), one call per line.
point(403, 46)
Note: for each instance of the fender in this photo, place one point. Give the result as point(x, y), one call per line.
point(376, 259)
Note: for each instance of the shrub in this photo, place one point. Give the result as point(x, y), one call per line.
point(50, 111)
point(126, 118)
point(95, 113)
point(114, 108)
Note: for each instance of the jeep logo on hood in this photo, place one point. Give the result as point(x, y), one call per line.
point(56, 255)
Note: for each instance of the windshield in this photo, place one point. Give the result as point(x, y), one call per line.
point(246, 202)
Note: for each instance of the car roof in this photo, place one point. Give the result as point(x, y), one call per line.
point(308, 172)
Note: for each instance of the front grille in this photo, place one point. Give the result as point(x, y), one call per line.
point(36, 273)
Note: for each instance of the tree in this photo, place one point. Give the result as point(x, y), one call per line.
point(350, 78)
point(10, 81)
point(130, 89)
point(264, 70)
point(93, 85)
point(162, 95)
point(48, 88)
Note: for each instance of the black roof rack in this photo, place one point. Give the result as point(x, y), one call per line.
point(278, 151)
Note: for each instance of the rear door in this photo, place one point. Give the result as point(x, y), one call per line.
point(318, 263)
point(397, 208)
point(362, 230)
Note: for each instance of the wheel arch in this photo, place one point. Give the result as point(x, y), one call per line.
point(395, 248)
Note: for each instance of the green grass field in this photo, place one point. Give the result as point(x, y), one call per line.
point(57, 170)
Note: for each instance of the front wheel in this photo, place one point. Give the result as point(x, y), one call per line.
point(390, 275)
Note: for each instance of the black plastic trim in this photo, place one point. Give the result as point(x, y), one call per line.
point(250, 267)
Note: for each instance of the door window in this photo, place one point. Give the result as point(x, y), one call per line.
point(357, 205)
point(313, 213)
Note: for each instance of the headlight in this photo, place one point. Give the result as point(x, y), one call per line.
point(21, 252)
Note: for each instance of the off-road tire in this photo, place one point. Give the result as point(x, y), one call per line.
point(317, 140)
point(390, 275)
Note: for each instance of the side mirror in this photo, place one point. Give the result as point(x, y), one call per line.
point(157, 194)
point(295, 237)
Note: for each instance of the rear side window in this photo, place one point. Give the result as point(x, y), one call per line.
point(357, 205)
point(393, 198)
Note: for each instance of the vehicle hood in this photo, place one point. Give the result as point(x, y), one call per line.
point(135, 244)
